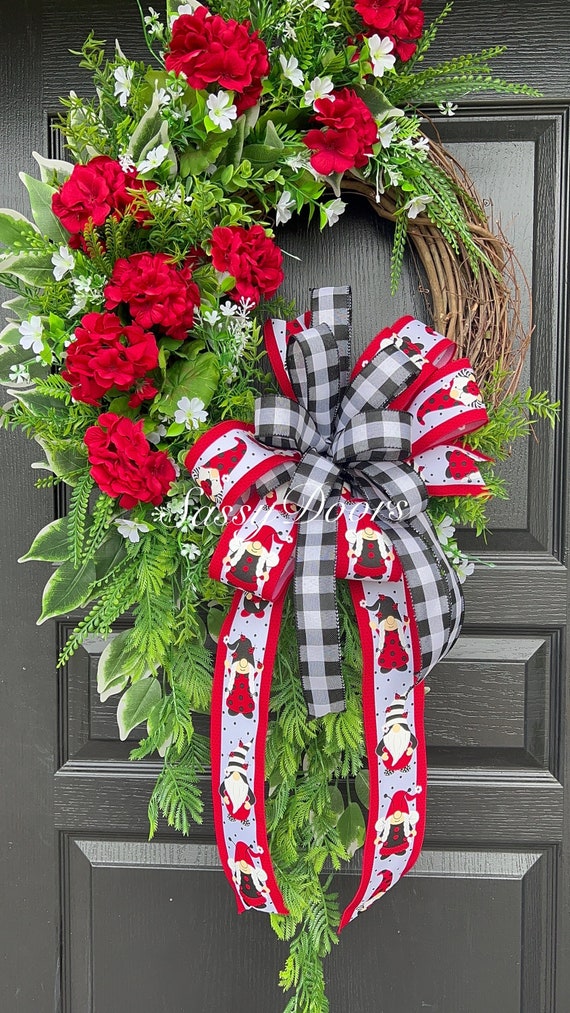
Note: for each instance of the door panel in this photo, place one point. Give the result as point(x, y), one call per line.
point(478, 923)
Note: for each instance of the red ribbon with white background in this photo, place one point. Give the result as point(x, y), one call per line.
point(256, 555)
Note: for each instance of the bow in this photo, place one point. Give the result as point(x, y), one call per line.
point(333, 482)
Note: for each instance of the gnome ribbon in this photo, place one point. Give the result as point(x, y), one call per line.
point(333, 483)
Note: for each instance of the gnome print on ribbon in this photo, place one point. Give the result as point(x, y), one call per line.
point(251, 561)
point(460, 466)
point(382, 888)
point(390, 629)
point(250, 880)
point(369, 548)
point(242, 688)
point(398, 742)
point(397, 828)
point(463, 391)
point(252, 606)
point(213, 474)
point(237, 796)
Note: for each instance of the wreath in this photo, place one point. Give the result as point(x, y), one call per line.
point(145, 301)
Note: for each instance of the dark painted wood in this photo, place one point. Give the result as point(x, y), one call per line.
point(28, 703)
point(480, 921)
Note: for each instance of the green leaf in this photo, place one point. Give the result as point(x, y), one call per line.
point(197, 377)
point(272, 138)
point(261, 154)
point(176, 429)
point(110, 553)
point(42, 404)
point(18, 306)
point(50, 544)
point(215, 620)
point(64, 463)
point(15, 228)
point(234, 148)
point(351, 828)
point(362, 787)
point(35, 269)
point(374, 99)
point(16, 356)
point(147, 131)
point(10, 336)
point(136, 704)
point(337, 801)
point(67, 589)
point(40, 201)
point(117, 665)
point(195, 160)
point(53, 168)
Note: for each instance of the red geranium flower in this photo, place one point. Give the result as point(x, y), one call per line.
point(145, 391)
point(402, 21)
point(207, 49)
point(253, 259)
point(96, 190)
point(345, 110)
point(349, 140)
point(124, 464)
point(158, 293)
point(107, 354)
point(334, 150)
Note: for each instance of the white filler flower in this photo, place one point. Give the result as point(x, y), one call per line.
point(131, 529)
point(334, 210)
point(386, 133)
point(63, 261)
point(318, 88)
point(190, 412)
point(221, 110)
point(284, 207)
point(32, 334)
point(123, 81)
point(381, 55)
point(291, 70)
point(154, 159)
point(417, 204)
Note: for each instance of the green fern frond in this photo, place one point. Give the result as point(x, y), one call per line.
point(176, 794)
point(77, 517)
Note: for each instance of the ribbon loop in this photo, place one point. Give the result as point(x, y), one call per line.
point(374, 436)
point(313, 362)
point(284, 424)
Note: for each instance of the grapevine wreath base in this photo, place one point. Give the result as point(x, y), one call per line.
point(144, 311)
point(479, 309)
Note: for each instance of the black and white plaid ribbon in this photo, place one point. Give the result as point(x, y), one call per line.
point(347, 435)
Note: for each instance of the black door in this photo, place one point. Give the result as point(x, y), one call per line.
point(94, 918)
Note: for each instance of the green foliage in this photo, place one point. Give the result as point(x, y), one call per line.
point(77, 517)
point(176, 794)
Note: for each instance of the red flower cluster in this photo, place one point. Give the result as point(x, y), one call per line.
point(96, 190)
point(158, 293)
point(402, 21)
point(207, 49)
point(107, 354)
point(253, 260)
point(350, 134)
point(123, 463)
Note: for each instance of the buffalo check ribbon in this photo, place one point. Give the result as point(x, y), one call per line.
point(332, 482)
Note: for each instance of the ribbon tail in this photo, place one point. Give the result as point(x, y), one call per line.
point(316, 618)
point(397, 804)
point(240, 714)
